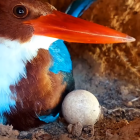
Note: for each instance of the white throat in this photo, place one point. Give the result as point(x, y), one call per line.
point(13, 58)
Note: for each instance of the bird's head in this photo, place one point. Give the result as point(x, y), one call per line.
point(21, 19)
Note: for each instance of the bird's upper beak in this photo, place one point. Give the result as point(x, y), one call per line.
point(62, 26)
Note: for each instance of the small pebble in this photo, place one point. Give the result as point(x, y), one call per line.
point(69, 128)
point(77, 129)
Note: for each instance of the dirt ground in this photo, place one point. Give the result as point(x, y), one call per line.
point(111, 72)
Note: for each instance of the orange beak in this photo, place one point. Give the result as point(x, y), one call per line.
point(62, 26)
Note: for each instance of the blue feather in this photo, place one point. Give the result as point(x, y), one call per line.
point(61, 57)
point(58, 50)
point(77, 7)
point(49, 118)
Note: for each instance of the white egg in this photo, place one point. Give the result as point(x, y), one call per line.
point(81, 106)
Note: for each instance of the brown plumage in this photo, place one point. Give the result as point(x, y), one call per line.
point(39, 93)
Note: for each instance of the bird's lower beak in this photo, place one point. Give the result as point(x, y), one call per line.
point(62, 26)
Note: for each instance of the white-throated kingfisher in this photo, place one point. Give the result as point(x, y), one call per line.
point(36, 70)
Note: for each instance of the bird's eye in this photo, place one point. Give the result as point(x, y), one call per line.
point(20, 11)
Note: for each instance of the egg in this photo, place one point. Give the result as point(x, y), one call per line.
point(81, 106)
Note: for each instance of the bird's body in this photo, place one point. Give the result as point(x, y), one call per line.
point(35, 68)
point(31, 84)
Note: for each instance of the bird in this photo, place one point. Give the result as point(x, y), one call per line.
point(35, 66)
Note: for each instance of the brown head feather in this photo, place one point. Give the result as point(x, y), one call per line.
point(12, 27)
